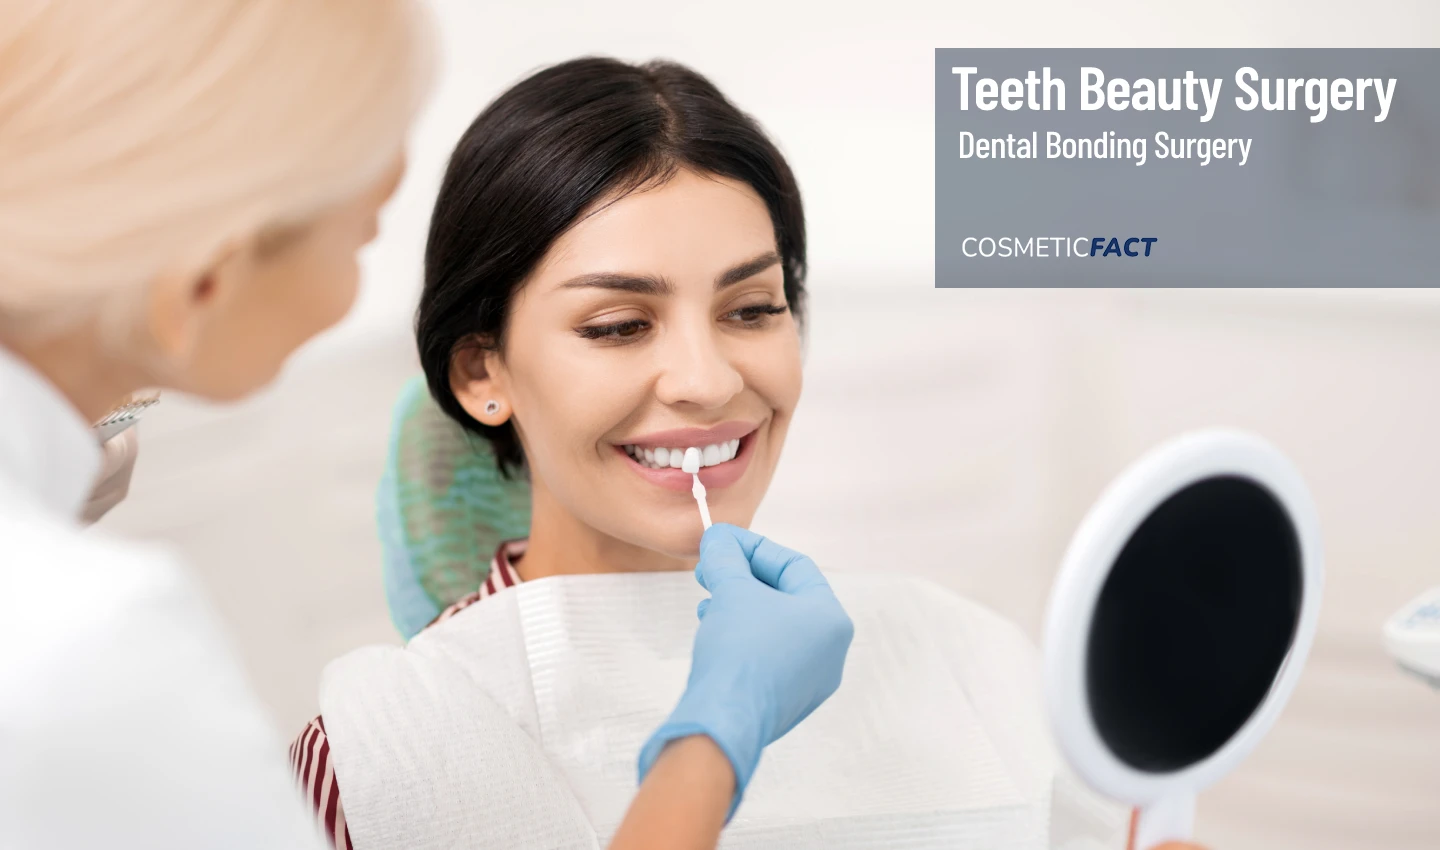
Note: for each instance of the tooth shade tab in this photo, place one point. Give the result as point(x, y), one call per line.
point(691, 461)
point(676, 458)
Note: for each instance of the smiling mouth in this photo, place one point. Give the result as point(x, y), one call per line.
point(714, 454)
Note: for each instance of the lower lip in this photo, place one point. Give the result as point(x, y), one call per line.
point(720, 475)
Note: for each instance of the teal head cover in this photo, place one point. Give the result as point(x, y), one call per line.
point(443, 508)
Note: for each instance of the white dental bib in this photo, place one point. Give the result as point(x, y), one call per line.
point(517, 722)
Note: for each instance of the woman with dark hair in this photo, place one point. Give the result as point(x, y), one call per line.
point(615, 274)
point(599, 155)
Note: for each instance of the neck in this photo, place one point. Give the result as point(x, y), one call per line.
point(560, 544)
point(76, 366)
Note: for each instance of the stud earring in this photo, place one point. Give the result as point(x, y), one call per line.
point(492, 407)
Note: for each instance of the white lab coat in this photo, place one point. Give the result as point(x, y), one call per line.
point(125, 720)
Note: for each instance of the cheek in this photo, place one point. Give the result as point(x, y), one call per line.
point(307, 293)
point(568, 399)
point(298, 301)
point(325, 288)
point(772, 370)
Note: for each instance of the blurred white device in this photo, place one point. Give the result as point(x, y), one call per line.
point(1412, 637)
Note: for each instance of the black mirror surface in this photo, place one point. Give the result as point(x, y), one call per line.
point(1193, 624)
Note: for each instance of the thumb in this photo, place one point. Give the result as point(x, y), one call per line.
point(721, 558)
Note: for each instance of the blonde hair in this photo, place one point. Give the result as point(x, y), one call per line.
point(141, 135)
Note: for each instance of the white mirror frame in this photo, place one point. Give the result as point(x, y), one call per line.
point(1166, 800)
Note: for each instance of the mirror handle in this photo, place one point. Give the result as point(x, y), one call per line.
point(1166, 819)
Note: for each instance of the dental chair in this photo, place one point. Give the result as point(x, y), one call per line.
point(442, 509)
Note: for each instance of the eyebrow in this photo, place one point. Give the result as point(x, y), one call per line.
point(653, 285)
point(747, 269)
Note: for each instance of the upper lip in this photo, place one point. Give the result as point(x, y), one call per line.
point(686, 437)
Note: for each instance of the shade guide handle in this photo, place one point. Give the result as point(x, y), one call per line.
point(1165, 820)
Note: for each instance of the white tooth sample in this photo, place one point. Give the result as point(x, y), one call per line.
point(690, 462)
point(677, 458)
point(649, 456)
point(662, 457)
point(735, 447)
point(712, 455)
point(727, 450)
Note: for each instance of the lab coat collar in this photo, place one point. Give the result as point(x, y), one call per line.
point(47, 449)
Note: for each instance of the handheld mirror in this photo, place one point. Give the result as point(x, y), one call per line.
point(1180, 621)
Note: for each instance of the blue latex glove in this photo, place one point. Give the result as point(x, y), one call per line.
point(770, 649)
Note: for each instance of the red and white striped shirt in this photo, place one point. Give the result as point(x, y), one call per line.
point(310, 752)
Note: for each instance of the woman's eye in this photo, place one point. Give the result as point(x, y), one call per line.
point(756, 315)
point(617, 332)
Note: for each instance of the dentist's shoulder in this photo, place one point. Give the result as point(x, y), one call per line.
point(116, 688)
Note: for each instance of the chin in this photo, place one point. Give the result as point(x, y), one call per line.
point(672, 536)
point(241, 390)
point(221, 393)
point(681, 539)
point(681, 542)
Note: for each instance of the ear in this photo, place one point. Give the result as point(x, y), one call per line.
point(479, 382)
point(184, 302)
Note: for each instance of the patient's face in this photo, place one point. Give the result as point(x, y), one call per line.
point(656, 324)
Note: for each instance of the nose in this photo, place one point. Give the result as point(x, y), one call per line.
point(695, 369)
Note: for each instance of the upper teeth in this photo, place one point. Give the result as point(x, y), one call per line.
point(715, 453)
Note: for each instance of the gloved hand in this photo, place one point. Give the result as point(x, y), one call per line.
point(770, 649)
